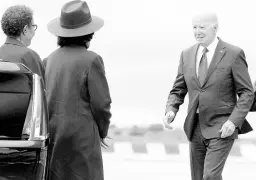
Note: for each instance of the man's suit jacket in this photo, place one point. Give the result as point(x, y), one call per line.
point(14, 51)
point(216, 99)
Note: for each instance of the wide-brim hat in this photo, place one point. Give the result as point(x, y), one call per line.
point(75, 20)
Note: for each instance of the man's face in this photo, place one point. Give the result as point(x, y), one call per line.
point(29, 32)
point(204, 31)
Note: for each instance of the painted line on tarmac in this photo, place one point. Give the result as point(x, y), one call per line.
point(129, 149)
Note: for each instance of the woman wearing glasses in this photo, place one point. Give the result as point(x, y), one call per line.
point(18, 25)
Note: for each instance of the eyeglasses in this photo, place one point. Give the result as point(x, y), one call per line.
point(34, 26)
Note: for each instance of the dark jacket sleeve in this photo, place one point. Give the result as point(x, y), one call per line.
point(177, 94)
point(244, 90)
point(33, 61)
point(100, 99)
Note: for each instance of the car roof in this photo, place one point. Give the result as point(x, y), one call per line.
point(16, 68)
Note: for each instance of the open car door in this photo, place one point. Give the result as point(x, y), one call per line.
point(24, 135)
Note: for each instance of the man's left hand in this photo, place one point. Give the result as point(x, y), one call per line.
point(227, 129)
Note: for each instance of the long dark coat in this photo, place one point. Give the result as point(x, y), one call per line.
point(79, 110)
point(14, 51)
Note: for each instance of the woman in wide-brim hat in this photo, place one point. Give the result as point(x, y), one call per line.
point(78, 97)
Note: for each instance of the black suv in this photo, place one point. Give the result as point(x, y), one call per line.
point(24, 135)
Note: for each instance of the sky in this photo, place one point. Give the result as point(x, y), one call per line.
point(140, 44)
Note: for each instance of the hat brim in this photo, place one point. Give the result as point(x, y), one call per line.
point(55, 28)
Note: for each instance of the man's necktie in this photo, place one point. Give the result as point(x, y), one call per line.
point(203, 67)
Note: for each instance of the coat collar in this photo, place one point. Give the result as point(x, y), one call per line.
point(193, 55)
point(13, 41)
point(217, 57)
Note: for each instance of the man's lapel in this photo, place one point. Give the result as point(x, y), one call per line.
point(193, 63)
point(217, 57)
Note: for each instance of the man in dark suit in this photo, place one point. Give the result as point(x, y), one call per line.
point(18, 25)
point(213, 73)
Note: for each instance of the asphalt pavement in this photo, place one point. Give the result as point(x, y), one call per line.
point(171, 167)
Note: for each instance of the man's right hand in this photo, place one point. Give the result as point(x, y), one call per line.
point(168, 119)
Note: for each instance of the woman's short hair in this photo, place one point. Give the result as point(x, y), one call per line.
point(15, 18)
point(75, 41)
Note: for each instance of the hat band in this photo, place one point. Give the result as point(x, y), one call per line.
point(76, 25)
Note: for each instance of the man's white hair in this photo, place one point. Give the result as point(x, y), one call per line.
point(210, 17)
